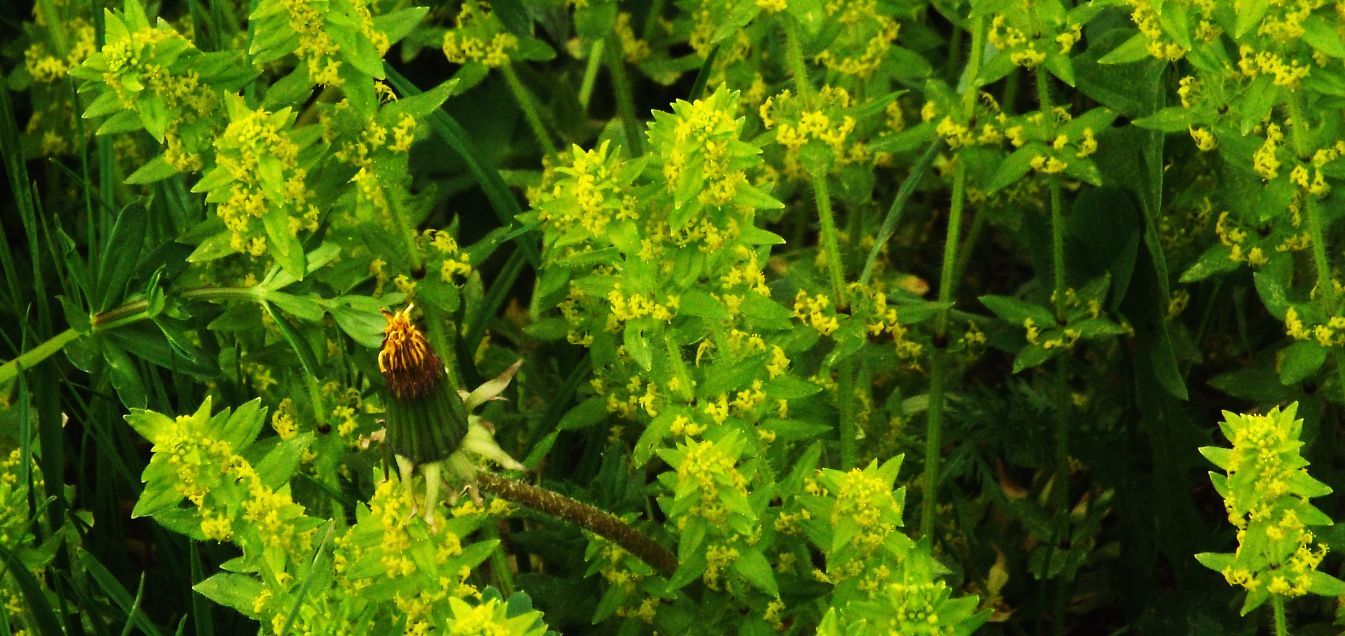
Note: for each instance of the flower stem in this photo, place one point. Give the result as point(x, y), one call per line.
point(821, 192)
point(599, 522)
point(129, 313)
point(625, 100)
point(938, 366)
point(529, 107)
point(1277, 603)
point(1060, 487)
point(1326, 286)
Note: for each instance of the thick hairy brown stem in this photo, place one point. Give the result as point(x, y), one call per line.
point(599, 522)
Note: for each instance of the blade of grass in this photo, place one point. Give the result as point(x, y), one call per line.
point(703, 75)
point(494, 298)
point(308, 580)
point(893, 218)
point(201, 612)
point(118, 594)
point(20, 184)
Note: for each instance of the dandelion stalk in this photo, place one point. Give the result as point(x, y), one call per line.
point(597, 521)
point(938, 367)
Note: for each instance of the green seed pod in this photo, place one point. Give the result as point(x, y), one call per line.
point(426, 419)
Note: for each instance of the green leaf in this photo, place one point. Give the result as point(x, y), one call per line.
point(1032, 356)
point(1014, 167)
point(1323, 36)
point(1325, 585)
point(752, 565)
point(238, 591)
point(124, 375)
point(583, 415)
point(156, 169)
point(281, 462)
point(1213, 261)
point(1301, 360)
point(1016, 312)
point(1215, 561)
point(284, 244)
point(120, 254)
point(1170, 119)
point(1132, 50)
point(149, 424)
point(637, 345)
point(1249, 14)
point(398, 24)
point(1217, 455)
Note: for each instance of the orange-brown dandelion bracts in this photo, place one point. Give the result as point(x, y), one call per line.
point(426, 420)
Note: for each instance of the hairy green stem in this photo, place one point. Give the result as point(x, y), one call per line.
point(1060, 487)
point(1326, 286)
point(599, 522)
point(830, 241)
point(1277, 603)
point(938, 367)
point(821, 192)
point(528, 105)
point(625, 96)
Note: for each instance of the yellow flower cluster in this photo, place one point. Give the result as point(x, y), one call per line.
point(866, 500)
point(709, 470)
point(864, 38)
point(1329, 334)
point(718, 557)
point(871, 306)
point(453, 262)
point(46, 66)
point(283, 421)
point(816, 312)
point(798, 121)
point(260, 164)
point(1204, 138)
point(208, 470)
point(1148, 20)
point(683, 425)
point(633, 48)
point(707, 127)
point(1284, 20)
point(1051, 163)
point(1265, 448)
point(1235, 238)
point(1286, 73)
point(1022, 51)
point(586, 192)
point(637, 305)
point(316, 48)
point(478, 36)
